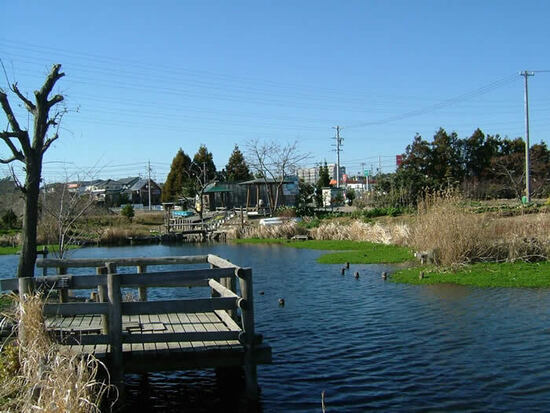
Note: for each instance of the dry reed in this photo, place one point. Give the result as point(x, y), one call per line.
point(456, 236)
point(286, 230)
point(50, 378)
point(359, 231)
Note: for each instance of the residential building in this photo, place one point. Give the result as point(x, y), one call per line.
point(311, 175)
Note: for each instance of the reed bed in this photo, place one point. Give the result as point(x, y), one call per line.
point(286, 230)
point(45, 376)
point(456, 236)
point(396, 234)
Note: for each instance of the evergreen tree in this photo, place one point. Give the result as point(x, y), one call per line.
point(177, 178)
point(236, 169)
point(324, 177)
point(203, 163)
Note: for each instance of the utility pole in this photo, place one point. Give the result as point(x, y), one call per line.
point(526, 75)
point(363, 171)
point(338, 149)
point(149, 182)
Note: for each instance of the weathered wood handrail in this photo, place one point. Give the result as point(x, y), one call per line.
point(120, 262)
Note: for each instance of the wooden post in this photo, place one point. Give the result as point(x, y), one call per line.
point(63, 292)
point(142, 291)
point(250, 373)
point(102, 295)
point(115, 323)
point(45, 256)
point(25, 285)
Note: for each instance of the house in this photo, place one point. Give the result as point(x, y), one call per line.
point(127, 183)
point(138, 193)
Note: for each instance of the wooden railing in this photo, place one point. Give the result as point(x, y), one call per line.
point(221, 278)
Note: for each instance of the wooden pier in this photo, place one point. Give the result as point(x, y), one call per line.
point(141, 336)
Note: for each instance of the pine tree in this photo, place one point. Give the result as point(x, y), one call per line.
point(324, 177)
point(177, 178)
point(236, 168)
point(204, 164)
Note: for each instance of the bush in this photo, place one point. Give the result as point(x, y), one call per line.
point(9, 219)
point(128, 211)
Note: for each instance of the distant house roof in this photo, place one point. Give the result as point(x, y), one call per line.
point(268, 180)
point(128, 181)
point(141, 183)
point(216, 187)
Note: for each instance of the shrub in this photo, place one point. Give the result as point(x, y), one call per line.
point(128, 211)
point(9, 219)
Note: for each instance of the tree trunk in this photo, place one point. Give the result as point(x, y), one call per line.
point(27, 259)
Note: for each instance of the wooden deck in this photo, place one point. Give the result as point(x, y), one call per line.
point(161, 355)
point(158, 335)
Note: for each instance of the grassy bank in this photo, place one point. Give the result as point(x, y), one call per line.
point(507, 274)
point(354, 252)
point(16, 250)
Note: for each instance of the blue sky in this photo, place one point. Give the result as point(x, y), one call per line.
point(146, 78)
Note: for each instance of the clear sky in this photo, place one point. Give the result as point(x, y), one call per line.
point(144, 78)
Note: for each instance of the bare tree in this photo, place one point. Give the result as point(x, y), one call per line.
point(199, 177)
point(62, 210)
point(273, 162)
point(31, 154)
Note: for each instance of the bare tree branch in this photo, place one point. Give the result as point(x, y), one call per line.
point(54, 100)
point(9, 112)
point(49, 142)
point(29, 105)
point(17, 154)
point(52, 78)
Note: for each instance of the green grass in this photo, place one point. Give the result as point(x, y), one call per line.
point(517, 274)
point(6, 301)
point(15, 250)
point(354, 252)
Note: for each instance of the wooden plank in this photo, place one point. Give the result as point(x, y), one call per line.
point(220, 289)
point(179, 306)
point(163, 338)
point(210, 328)
point(200, 345)
point(160, 344)
point(67, 309)
point(172, 278)
point(220, 262)
point(120, 262)
point(189, 327)
point(183, 278)
point(82, 339)
point(227, 320)
point(173, 327)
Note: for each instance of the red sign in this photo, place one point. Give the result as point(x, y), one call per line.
point(344, 178)
point(398, 159)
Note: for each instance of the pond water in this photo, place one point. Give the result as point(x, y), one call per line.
point(368, 343)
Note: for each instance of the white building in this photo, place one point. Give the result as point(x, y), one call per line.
point(311, 175)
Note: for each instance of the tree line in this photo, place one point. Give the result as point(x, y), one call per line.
point(482, 166)
point(189, 177)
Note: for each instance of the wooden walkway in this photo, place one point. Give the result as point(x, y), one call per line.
point(143, 336)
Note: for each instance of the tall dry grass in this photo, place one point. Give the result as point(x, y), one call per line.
point(48, 378)
point(286, 230)
point(359, 231)
point(457, 236)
